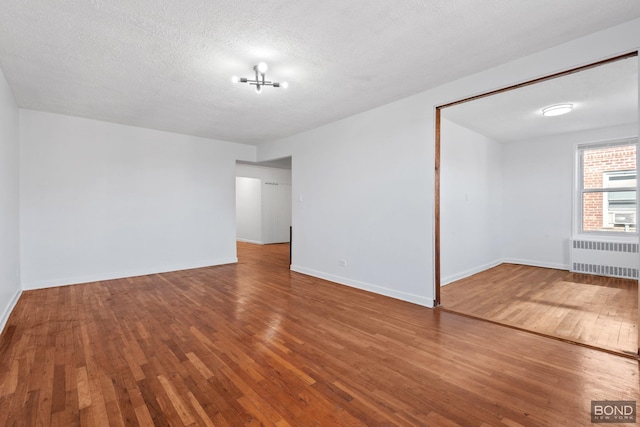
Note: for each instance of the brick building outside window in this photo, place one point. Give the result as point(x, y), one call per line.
point(608, 186)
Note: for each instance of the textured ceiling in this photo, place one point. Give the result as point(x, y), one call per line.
point(602, 96)
point(166, 64)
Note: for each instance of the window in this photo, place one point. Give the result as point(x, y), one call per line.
point(607, 182)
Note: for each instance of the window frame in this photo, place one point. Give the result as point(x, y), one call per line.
point(580, 191)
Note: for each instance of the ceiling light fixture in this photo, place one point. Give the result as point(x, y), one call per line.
point(557, 110)
point(260, 80)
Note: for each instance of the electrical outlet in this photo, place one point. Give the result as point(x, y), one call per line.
point(342, 262)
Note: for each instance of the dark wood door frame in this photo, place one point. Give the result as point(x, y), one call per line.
point(436, 217)
point(437, 274)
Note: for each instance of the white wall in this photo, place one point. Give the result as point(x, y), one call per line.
point(360, 190)
point(538, 195)
point(9, 203)
point(366, 182)
point(276, 212)
point(530, 222)
point(471, 197)
point(249, 210)
point(101, 200)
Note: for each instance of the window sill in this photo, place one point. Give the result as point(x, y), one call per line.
point(611, 236)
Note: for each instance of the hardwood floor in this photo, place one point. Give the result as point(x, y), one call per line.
point(255, 344)
point(592, 310)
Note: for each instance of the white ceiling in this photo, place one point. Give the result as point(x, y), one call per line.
point(166, 64)
point(602, 96)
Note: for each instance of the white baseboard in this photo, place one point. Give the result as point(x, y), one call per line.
point(255, 242)
point(531, 263)
point(74, 280)
point(453, 277)
point(404, 296)
point(9, 309)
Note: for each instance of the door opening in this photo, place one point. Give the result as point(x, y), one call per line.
point(446, 208)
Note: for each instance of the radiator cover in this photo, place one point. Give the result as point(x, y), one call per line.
point(614, 259)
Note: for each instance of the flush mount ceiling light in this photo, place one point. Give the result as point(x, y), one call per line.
point(260, 80)
point(557, 110)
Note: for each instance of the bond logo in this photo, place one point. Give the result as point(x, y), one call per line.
point(613, 411)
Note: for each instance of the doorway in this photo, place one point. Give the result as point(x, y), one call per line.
point(506, 157)
point(263, 204)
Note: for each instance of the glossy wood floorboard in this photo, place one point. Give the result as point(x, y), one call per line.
point(593, 310)
point(255, 344)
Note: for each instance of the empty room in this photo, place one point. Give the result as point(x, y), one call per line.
point(545, 205)
point(251, 213)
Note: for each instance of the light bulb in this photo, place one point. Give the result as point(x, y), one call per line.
point(284, 85)
point(262, 67)
point(235, 79)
